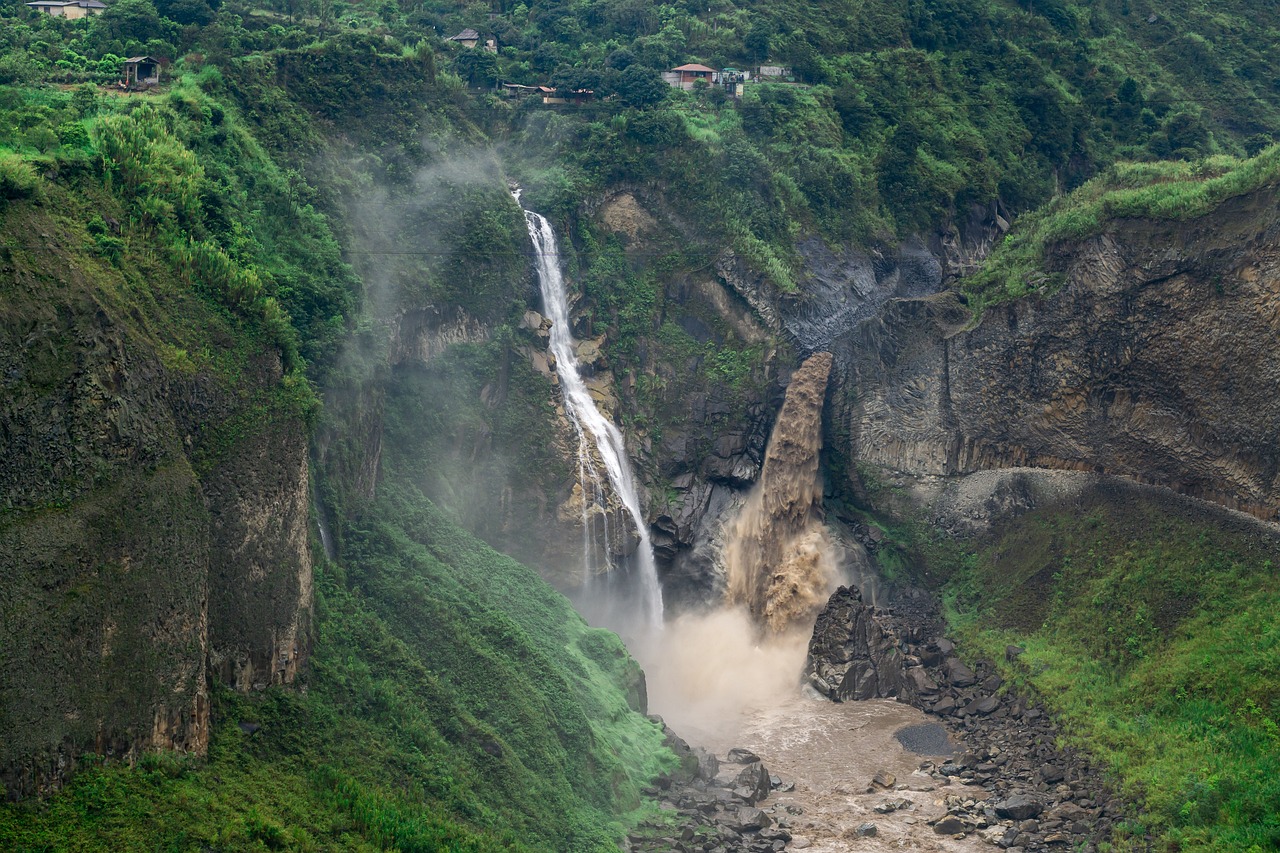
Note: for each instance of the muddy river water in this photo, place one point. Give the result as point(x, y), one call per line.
point(718, 690)
point(831, 752)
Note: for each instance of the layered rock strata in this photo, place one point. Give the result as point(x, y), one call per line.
point(1153, 361)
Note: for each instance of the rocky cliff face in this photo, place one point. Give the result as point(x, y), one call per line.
point(1155, 361)
point(153, 516)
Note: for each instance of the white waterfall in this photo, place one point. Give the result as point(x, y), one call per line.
point(592, 427)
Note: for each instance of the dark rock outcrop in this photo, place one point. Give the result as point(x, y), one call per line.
point(838, 291)
point(1152, 362)
point(853, 653)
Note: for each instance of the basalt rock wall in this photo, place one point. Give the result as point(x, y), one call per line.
point(153, 515)
point(1155, 361)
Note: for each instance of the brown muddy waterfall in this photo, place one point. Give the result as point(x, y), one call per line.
point(713, 670)
point(778, 556)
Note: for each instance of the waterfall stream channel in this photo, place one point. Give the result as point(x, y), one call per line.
point(600, 441)
point(715, 677)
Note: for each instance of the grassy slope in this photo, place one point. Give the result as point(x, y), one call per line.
point(1151, 630)
point(454, 701)
point(1165, 190)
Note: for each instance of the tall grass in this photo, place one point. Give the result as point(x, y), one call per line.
point(1170, 190)
point(1154, 639)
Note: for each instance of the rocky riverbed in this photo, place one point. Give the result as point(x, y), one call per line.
point(808, 774)
point(1035, 794)
point(892, 742)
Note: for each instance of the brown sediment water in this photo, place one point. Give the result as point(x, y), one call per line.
point(748, 653)
point(731, 677)
point(831, 752)
point(778, 556)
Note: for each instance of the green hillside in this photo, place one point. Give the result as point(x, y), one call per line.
point(308, 171)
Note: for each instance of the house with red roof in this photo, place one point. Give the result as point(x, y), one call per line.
point(686, 75)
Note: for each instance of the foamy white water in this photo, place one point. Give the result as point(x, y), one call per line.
point(590, 425)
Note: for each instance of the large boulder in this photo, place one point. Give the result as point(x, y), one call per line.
point(752, 783)
point(854, 654)
point(1019, 807)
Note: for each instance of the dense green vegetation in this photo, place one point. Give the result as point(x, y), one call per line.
point(901, 116)
point(453, 702)
point(186, 183)
point(1169, 190)
point(311, 168)
point(1150, 629)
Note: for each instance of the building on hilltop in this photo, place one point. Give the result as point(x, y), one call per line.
point(518, 90)
point(70, 9)
point(576, 96)
point(471, 38)
point(549, 94)
point(686, 75)
point(140, 72)
point(732, 81)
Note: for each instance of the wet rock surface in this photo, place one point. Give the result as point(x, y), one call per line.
point(928, 739)
point(1151, 361)
point(854, 652)
point(714, 803)
point(1036, 795)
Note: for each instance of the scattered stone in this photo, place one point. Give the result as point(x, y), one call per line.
point(982, 706)
point(889, 806)
point(752, 783)
point(884, 779)
point(1019, 807)
point(1012, 653)
point(750, 818)
point(958, 674)
point(949, 825)
point(738, 755)
point(866, 830)
point(1051, 773)
point(708, 764)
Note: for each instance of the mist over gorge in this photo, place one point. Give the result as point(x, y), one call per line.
point(757, 427)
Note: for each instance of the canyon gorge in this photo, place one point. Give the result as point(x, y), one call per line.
point(875, 452)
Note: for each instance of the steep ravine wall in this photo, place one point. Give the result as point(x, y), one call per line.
point(1155, 361)
point(153, 518)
